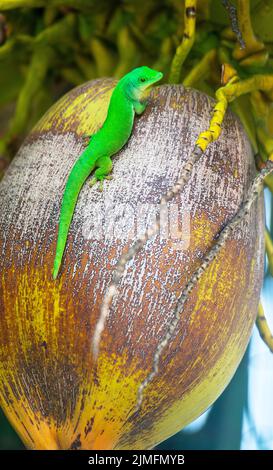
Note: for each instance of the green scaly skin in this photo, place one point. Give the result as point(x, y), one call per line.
point(129, 97)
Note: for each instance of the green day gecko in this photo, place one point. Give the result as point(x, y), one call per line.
point(130, 96)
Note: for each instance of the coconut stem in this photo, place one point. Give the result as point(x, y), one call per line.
point(187, 42)
point(269, 250)
point(263, 328)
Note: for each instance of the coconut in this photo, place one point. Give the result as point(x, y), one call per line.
point(52, 390)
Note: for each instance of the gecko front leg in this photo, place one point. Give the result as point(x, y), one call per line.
point(140, 106)
point(104, 167)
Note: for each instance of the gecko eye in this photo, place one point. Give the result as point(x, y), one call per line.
point(143, 79)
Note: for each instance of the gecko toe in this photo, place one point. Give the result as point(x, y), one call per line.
point(92, 182)
point(86, 139)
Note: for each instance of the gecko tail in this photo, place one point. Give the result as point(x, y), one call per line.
point(56, 268)
point(78, 175)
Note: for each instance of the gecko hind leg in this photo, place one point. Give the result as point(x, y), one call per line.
point(104, 167)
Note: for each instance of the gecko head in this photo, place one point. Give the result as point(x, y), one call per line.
point(140, 81)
